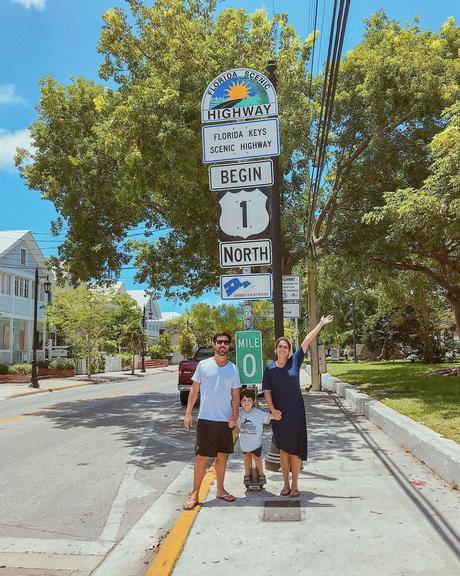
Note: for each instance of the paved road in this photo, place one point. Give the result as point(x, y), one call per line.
point(80, 467)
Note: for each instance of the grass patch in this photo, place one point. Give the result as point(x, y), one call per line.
point(431, 400)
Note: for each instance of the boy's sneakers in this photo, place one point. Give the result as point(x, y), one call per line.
point(262, 480)
point(247, 480)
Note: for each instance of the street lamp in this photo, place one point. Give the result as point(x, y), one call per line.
point(150, 316)
point(47, 288)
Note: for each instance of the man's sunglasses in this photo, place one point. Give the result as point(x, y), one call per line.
point(224, 342)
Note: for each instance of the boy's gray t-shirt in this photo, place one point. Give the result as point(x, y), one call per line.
point(251, 426)
point(216, 385)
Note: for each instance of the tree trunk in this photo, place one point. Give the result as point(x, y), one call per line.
point(132, 363)
point(88, 365)
point(456, 307)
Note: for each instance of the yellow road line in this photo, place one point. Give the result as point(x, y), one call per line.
point(164, 562)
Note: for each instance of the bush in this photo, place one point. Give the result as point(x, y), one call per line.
point(20, 369)
point(43, 363)
point(126, 361)
point(4, 369)
point(62, 364)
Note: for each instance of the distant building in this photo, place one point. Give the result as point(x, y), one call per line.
point(19, 257)
point(152, 313)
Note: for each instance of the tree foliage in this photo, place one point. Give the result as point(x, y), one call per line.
point(110, 158)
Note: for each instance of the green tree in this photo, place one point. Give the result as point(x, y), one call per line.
point(163, 347)
point(110, 158)
point(391, 198)
point(186, 342)
point(133, 340)
point(84, 315)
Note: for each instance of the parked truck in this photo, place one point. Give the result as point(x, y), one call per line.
point(187, 369)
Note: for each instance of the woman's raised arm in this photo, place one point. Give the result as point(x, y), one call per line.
point(316, 330)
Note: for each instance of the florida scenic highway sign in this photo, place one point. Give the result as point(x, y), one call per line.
point(238, 94)
point(246, 286)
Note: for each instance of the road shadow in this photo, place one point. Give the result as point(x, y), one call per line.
point(153, 419)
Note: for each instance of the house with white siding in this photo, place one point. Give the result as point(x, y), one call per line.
point(152, 320)
point(19, 257)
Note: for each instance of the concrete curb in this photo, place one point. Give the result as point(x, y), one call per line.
point(439, 453)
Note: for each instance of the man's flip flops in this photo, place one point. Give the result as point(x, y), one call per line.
point(226, 497)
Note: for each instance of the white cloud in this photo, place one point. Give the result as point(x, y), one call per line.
point(9, 141)
point(8, 95)
point(38, 4)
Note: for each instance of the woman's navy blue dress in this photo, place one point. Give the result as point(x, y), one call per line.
point(284, 383)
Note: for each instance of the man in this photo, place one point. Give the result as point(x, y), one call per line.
point(218, 381)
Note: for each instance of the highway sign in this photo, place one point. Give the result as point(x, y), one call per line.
point(246, 286)
point(240, 140)
point(291, 287)
point(252, 253)
point(248, 344)
point(243, 214)
point(242, 175)
point(291, 309)
point(238, 94)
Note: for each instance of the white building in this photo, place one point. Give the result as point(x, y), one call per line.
point(19, 257)
point(152, 313)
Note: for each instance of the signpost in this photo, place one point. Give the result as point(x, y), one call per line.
point(252, 253)
point(241, 175)
point(236, 141)
point(246, 286)
point(249, 357)
point(243, 214)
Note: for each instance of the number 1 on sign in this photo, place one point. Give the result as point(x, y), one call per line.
point(244, 208)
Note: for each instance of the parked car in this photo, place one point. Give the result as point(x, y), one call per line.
point(187, 369)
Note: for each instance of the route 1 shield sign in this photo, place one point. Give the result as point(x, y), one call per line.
point(243, 214)
point(249, 360)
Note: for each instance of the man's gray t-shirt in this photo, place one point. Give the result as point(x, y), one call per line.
point(251, 428)
point(216, 385)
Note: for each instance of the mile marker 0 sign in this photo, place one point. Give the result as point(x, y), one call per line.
point(249, 356)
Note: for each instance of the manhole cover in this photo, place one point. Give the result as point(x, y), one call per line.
point(282, 511)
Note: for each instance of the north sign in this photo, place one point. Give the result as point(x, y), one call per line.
point(237, 141)
point(252, 253)
point(246, 286)
point(242, 175)
point(243, 214)
point(238, 94)
point(249, 359)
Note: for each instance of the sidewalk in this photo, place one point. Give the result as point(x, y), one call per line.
point(55, 384)
point(366, 506)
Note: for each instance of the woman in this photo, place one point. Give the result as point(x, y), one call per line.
point(281, 385)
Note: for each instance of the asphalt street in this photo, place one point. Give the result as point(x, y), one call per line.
point(81, 466)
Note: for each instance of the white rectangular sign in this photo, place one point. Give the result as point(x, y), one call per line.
point(242, 175)
point(246, 286)
point(58, 353)
point(291, 287)
point(250, 253)
point(239, 140)
point(291, 309)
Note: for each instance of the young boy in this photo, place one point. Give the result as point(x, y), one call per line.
point(250, 423)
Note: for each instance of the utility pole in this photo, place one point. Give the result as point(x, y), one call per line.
point(353, 317)
point(313, 321)
point(277, 271)
point(34, 382)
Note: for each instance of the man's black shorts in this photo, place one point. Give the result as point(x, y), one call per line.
point(213, 437)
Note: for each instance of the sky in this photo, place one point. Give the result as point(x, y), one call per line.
point(59, 38)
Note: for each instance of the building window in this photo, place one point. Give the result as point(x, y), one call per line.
point(26, 288)
point(23, 257)
point(16, 286)
point(5, 283)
